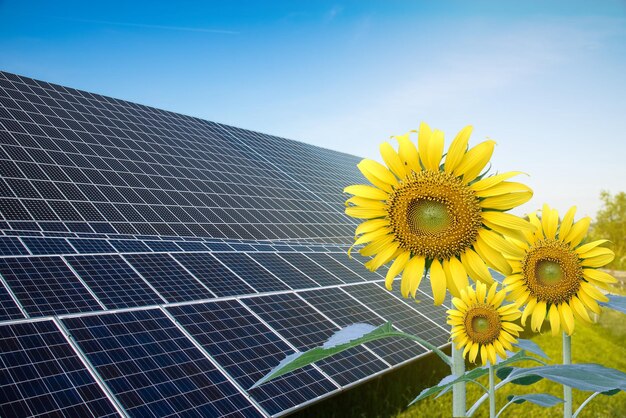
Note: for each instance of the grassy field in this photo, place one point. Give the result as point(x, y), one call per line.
point(388, 395)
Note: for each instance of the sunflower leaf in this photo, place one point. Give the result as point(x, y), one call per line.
point(615, 302)
point(504, 372)
point(586, 377)
point(531, 347)
point(541, 399)
point(344, 339)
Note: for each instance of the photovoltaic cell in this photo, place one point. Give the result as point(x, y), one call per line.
point(280, 268)
point(191, 246)
point(335, 267)
point(251, 272)
point(218, 246)
point(153, 369)
point(48, 246)
point(46, 286)
point(11, 246)
point(129, 246)
point(305, 328)
point(247, 350)
point(357, 267)
point(213, 274)
point(8, 308)
point(91, 246)
point(313, 270)
point(43, 376)
point(401, 315)
point(113, 281)
point(168, 277)
point(163, 246)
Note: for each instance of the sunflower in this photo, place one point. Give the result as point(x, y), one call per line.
point(480, 323)
point(429, 215)
point(556, 275)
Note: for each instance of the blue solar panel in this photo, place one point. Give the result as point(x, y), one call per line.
point(91, 246)
point(11, 246)
point(344, 310)
point(313, 270)
point(42, 376)
point(335, 267)
point(162, 246)
point(354, 265)
point(153, 369)
point(46, 286)
point(305, 328)
point(213, 274)
point(113, 281)
point(8, 307)
point(251, 272)
point(247, 350)
point(218, 246)
point(48, 246)
point(242, 247)
point(168, 277)
point(402, 316)
point(280, 268)
point(191, 246)
point(263, 247)
point(129, 246)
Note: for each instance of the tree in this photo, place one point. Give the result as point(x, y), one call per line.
point(610, 224)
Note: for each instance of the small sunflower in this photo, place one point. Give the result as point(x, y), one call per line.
point(556, 275)
point(426, 214)
point(480, 323)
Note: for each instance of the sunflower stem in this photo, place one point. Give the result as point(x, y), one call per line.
point(458, 390)
point(567, 390)
point(492, 392)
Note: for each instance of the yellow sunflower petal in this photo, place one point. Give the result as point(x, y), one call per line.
point(549, 221)
point(408, 153)
point(507, 201)
point(473, 352)
point(377, 174)
point(371, 236)
point(475, 160)
point(598, 261)
point(396, 267)
point(578, 232)
point(393, 161)
point(384, 256)
point(567, 318)
point(376, 246)
point(457, 149)
point(593, 292)
point(492, 257)
point(580, 309)
point(437, 282)
point(507, 220)
point(492, 353)
point(370, 226)
point(492, 181)
point(588, 301)
point(504, 188)
point(597, 275)
point(532, 217)
point(566, 223)
point(365, 213)
point(367, 192)
point(459, 303)
point(476, 266)
point(458, 274)
point(484, 355)
point(530, 307)
point(501, 245)
point(413, 273)
point(481, 292)
point(555, 324)
point(539, 314)
point(424, 139)
point(491, 293)
point(499, 348)
point(589, 246)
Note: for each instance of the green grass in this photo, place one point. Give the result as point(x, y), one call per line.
point(601, 343)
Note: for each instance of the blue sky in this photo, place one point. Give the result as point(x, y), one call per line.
point(544, 79)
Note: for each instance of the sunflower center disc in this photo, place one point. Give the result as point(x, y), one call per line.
point(428, 216)
point(480, 324)
point(549, 272)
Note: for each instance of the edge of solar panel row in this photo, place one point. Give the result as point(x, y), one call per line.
point(155, 264)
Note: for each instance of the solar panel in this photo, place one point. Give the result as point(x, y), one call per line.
point(153, 368)
point(213, 274)
point(114, 282)
point(43, 376)
point(109, 205)
point(313, 270)
point(46, 286)
point(251, 272)
point(247, 350)
point(171, 280)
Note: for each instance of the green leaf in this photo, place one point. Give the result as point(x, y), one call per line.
point(344, 339)
point(531, 347)
point(504, 372)
point(541, 399)
point(611, 392)
point(616, 302)
point(587, 377)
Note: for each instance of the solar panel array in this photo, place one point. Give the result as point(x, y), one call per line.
point(155, 264)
